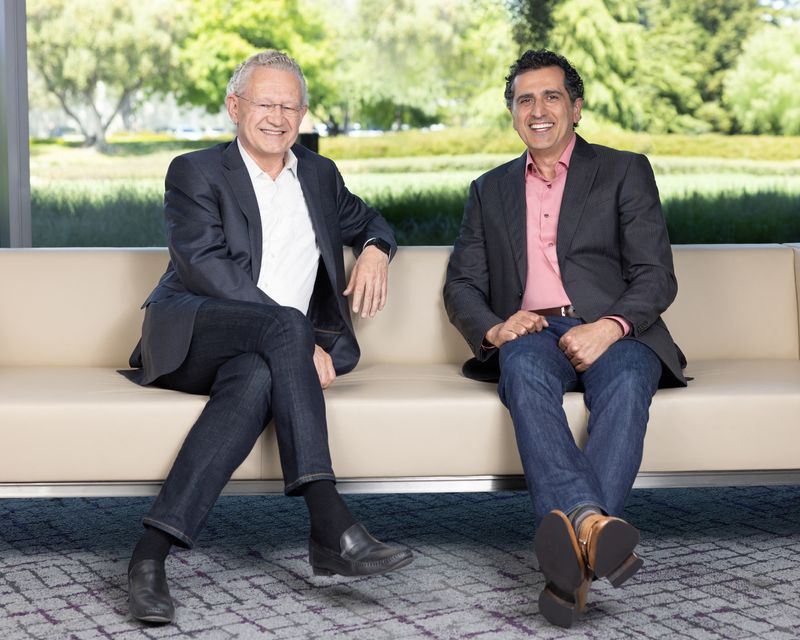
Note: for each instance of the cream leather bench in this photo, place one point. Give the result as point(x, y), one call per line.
point(405, 419)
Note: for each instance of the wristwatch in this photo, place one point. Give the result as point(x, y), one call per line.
point(380, 244)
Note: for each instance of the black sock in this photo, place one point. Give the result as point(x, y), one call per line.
point(330, 517)
point(153, 545)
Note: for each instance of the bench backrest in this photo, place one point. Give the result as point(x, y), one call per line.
point(80, 307)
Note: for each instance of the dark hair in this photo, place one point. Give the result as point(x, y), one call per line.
point(531, 60)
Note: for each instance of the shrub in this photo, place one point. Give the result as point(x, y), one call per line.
point(505, 141)
point(133, 216)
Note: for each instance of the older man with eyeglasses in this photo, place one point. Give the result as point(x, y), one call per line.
point(252, 311)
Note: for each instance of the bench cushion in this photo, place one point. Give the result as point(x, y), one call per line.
point(385, 421)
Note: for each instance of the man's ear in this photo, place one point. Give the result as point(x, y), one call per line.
point(232, 105)
point(576, 110)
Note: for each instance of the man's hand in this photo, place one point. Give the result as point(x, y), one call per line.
point(584, 344)
point(369, 282)
point(324, 366)
point(521, 323)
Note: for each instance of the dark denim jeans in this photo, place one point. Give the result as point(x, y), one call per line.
point(255, 362)
point(618, 389)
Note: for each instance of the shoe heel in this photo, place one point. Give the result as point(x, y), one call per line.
point(320, 571)
point(556, 610)
point(626, 570)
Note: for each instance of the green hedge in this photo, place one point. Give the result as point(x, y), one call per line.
point(506, 141)
point(129, 216)
point(487, 140)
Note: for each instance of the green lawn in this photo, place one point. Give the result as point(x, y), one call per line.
point(83, 198)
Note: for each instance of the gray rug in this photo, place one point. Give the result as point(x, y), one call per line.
point(719, 563)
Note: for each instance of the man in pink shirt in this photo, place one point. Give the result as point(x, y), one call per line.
point(557, 282)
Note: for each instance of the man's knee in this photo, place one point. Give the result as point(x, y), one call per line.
point(633, 377)
point(523, 369)
point(247, 375)
point(637, 367)
point(291, 328)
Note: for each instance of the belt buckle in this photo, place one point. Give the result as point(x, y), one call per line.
point(563, 312)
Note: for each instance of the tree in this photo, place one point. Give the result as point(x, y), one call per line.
point(223, 33)
point(654, 65)
point(99, 57)
point(532, 22)
point(603, 39)
point(761, 90)
point(415, 61)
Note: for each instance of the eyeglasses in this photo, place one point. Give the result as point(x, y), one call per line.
point(263, 108)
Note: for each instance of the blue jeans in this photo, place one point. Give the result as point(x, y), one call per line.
point(618, 389)
point(255, 361)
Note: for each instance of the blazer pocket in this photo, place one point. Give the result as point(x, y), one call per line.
point(326, 338)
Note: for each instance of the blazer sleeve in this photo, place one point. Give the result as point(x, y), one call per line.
point(466, 289)
point(196, 237)
point(359, 222)
point(645, 250)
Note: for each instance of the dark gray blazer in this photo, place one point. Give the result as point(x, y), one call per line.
point(613, 252)
point(214, 237)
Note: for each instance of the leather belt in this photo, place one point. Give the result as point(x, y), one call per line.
point(567, 312)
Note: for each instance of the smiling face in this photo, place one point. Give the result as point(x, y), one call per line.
point(543, 113)
point(267, 134)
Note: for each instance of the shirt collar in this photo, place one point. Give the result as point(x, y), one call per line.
point(289, 162)
point(563, 161)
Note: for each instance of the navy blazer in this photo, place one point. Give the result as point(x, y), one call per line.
point(214, 235)
point(612, 245)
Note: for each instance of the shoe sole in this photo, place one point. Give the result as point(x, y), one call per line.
point(322, 566)
point(556, 609)
point(152, 619)
point(560, 560)
point(558, 552)
point(626, 570)
point(613, 552)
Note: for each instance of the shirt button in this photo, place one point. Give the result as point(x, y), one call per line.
point(549, 244)
point(549, 186)
point(546, 215)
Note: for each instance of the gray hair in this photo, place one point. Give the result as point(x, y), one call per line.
point(269, 58)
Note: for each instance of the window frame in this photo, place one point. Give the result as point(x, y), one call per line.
point(15, 181)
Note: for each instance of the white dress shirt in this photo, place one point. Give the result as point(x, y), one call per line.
point(290, 254)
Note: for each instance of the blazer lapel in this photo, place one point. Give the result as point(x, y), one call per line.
point(237, 176)
point(309, 183)
point(515, 211)
point(583, 168)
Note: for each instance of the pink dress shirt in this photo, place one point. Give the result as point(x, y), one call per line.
point(543, 286)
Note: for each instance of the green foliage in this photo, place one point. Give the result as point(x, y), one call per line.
point(422, 217)
point(80, 215)
point(532, 22)
point(651, 65)
point(456, 141)
point(223, 33)
point(423, 143)
point(732, 217)
point(604, 47)
point(119, 53)
point(762, 90)
point(128, 215)
point(416, 61)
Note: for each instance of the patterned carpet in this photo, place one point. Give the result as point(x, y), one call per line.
point(720, 563)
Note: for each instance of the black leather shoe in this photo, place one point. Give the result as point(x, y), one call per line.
point(361, 555)
point(148, 593)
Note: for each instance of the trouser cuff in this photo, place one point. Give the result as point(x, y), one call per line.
point(181, 538)
point(296, 486)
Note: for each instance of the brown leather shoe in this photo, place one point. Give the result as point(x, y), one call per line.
point(607, 545)
point(562, 563)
